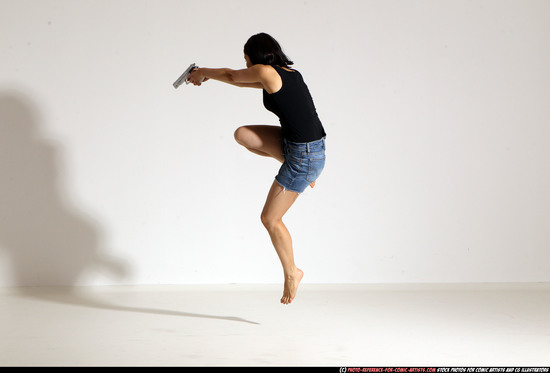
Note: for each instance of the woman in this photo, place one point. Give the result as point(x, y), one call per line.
point(299, 143)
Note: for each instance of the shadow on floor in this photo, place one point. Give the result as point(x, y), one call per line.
point(71, 296)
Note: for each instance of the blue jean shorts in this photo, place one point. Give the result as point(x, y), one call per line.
point(303, 164)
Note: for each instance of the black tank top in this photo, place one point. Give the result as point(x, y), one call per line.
point(294, 106)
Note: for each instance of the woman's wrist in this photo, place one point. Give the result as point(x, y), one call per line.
point(201, 73)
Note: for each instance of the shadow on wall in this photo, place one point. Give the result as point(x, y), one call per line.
point(48, 242)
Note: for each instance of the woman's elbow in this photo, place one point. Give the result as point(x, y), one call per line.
point(230, 76)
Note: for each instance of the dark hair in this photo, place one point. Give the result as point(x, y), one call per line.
point(263, 49)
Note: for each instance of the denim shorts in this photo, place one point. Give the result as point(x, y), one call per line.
point(303, 164)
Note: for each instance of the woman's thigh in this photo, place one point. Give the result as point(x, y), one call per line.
point(262, 138)
point(277, 203)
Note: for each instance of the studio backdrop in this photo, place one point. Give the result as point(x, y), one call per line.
point(437, 116)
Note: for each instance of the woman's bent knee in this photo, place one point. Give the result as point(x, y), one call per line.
point(268, 221)
point(242, 135)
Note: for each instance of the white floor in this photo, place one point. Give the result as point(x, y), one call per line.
point(244, 325)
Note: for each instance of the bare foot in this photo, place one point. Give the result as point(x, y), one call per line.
point(312, 184)
point(291, 286)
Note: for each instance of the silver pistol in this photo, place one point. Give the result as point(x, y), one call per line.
point(183, 78)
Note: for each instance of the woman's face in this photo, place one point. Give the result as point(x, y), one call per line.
point(248, 62)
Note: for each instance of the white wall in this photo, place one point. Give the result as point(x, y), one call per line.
point(438, 123)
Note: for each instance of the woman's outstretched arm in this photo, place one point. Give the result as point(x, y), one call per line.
point(257, 76)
